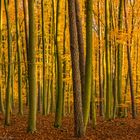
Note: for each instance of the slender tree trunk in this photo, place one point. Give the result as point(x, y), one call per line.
point(1, 95)
point(44, 63)
point(104, 78)
point(120, 53)
point(39, 97)
point(137, 75)
point(100, 61)
point(19, 58)
point(26, 28)
point(53, 59)
point(32, 70)
point(59, 100)
point(39, 83)
point(130, 67)
point(107, 55)
point(12, 80)
point(64, 62)
point(26, 24)
point(93, 103)
point(114, 65)
point(8, 89)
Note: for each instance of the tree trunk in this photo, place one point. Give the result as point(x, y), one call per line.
point(64, 52)
point(8, 89)
point(26, 28)
point(81, 47)
point(19, 58)
point(107, 56)
point(119, 76)
point(32, 70)
point(130, 68)
point(44, 62)
point(88, 70)
point(59, 99)
point(100, 62)
point(78, 118)
point(1, 95)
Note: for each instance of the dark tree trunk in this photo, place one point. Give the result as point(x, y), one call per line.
point(81, 47)
point(78, 117)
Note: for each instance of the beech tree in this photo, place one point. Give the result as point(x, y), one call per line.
point(89, 51)
point(78, 117)
point(19, 58)
point(59, 72)
point(8, 89)
point(32, 70)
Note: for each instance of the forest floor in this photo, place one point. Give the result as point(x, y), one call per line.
point(118, 129)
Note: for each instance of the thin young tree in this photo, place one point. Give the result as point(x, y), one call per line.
point(64, 52)
point(1, 95)
point(39, 81)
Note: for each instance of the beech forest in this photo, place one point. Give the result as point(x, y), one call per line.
point(69, 70)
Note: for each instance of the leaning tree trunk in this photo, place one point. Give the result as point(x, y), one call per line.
point(78, 118)
point(32, 70)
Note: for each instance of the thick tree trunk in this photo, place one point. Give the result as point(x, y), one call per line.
point(78, 118)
